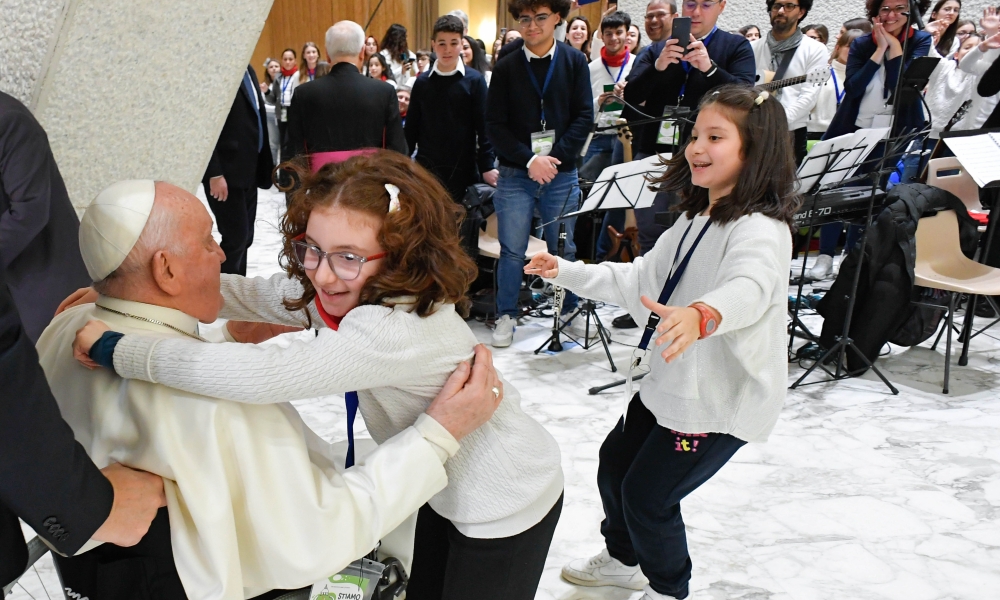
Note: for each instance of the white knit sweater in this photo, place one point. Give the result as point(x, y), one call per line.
point(507, 474)
point(733, 381)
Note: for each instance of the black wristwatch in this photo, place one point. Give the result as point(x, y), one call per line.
point(712, 70)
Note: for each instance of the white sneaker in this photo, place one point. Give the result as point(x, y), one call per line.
point(651, 594)
point(578, 328)
point(822, 269)
point(604, 570)
point(503, 331)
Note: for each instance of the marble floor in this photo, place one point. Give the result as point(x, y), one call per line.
point(858, 494)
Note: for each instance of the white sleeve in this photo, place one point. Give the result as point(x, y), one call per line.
point(259, 299)
point(808, 94)
point(756, 260)
point(373, 348)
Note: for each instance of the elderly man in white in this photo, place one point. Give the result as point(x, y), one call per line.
point(254, 497)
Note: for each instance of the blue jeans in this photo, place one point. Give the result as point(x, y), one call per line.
point(829, 235)
point(516, 200)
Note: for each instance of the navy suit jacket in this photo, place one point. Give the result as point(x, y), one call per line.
point(860, 70)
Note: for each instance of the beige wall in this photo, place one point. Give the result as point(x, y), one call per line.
point(129, 89)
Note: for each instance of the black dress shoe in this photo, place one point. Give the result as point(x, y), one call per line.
point(624, 322)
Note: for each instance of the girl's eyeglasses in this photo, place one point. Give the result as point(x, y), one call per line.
point(345, 265)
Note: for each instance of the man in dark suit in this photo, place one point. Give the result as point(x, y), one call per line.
point(240, 163)
point(39, 251)
point(46, 478)
point(344, 112)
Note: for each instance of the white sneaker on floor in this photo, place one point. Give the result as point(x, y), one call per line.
point(604, 570)
point(578, 328)
point(822, 269)
point(651, 594)
point(503, 331)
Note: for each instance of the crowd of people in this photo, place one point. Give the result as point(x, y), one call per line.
point(376, 146)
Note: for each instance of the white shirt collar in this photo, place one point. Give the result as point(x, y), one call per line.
point(459, 69)
point(170, 316)
point(550, 53)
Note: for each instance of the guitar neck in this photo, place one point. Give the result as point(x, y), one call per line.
point(777, 85)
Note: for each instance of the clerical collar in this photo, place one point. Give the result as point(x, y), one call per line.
point(458, 69)
point(550, 53)
point(160, 316)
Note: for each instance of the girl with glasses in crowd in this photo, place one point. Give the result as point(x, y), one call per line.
point(874, 63)
point(717, 282)
point(373, 261)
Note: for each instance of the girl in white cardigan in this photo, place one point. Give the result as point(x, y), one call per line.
point(372, 253)
point(717, 282)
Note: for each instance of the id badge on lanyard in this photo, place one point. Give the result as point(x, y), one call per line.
point(641, 353)
point(669, 133)
point(542, 141)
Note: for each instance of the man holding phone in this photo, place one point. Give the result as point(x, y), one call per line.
point(679, 71)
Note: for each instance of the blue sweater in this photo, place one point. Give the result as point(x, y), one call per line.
point(732, 54)
point(861, 69)
point(446, 125)
point(513, 108)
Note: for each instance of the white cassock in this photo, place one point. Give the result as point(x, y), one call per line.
point(255, 498)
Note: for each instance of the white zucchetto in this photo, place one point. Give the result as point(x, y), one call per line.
point(112, 224)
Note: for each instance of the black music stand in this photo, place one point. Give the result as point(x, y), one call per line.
point(823, 167)
point(894, 149)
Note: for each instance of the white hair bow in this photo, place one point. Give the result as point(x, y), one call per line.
point(393, 197)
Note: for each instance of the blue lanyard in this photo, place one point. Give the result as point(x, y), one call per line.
point(672, 281)
point(351, 400)
point(620, 69)
point(687, 66)
point(836, 88)
point(548, 78)
point(285, 82)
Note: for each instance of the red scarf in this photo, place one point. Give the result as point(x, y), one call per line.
point(612, 60)
point(331, 321)
point(289, 72)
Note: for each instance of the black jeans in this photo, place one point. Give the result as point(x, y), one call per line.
point(144, 571)
point(450, 566)
point(644, 473)
point(235, 218)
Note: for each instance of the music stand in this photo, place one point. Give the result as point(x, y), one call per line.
point(619, 186)
point(829, 162)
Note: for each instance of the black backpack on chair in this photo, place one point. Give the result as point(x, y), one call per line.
point(478, 203)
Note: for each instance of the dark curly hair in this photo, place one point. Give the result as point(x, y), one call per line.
point(559, 7)
point(424, 258)
point(767, 182)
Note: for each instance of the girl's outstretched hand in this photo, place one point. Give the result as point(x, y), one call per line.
point(680, 326)
point(544, 265)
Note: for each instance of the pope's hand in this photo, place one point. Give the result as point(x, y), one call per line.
point(85, 295)
point(247, 332)
point(544, 265)
point(469, 397)
point(86, 337)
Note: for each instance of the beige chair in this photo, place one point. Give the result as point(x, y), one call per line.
point(941, 265)
point(489, 246)
point(961, 184)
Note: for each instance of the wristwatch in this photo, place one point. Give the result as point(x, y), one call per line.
point(712, 70)
point(708, 322)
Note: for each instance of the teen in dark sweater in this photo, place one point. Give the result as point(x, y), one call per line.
point(446, 120)
point(664, 75)
point(538, 115)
